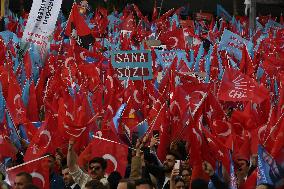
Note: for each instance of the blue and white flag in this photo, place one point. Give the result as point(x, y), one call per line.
point(269, 171)
point(233, 44)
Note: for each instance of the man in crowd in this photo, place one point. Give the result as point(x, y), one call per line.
point(68, 180)
point(96, 168)
point(56, 181)
point(163, 174)
point(22, 179)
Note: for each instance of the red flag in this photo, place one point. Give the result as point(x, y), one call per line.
point(45, 140)
point(28, 65)
point(15, 103)
point(173, 39)
point(236, 86)
point(155, 11)
point(32, 111)
point(7, 149)
point(78, 28)
point(128, 23)
point(73, 116)
point(246, 64)
point(39, 170)
point(113, 152)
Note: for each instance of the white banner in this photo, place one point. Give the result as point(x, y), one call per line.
point(41, 22)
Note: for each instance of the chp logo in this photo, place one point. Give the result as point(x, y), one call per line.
point(241, 88)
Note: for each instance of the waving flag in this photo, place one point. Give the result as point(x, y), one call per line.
point(39, 171)
point(78, 29)
point(269, 171)
point(113, 152)
point(233, 178)
point(173, 39)
point(15, 103)
point(233, 43)
point(236, 86)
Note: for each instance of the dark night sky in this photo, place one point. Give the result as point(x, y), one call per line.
point(194, 5)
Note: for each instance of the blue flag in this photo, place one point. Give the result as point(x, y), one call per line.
point(233, 43)
point(117, 116)
point(13, 133)
point(2, 105)
point(233, 178)
point(269, 171)
point(198, 58)
point(142, 128)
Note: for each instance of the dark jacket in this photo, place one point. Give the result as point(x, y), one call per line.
point(159, 173)
point(218, 183)
point(56, 181)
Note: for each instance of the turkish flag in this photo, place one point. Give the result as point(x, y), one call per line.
point(32, 111)
point(128, 23)
point(115, 154)
point(78, 28)
point(45, 140)
point(7, 149)
point(15, 103)
point(28, 64)
point(73, 115)
point(173, 39)
point(39, 170)
point(236, 86)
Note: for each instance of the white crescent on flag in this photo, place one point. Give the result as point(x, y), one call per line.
point(67, 61)
point(176, 41)
point(110, 109)
point(135, 96)
point(17, 96)
point(80, 130)
point(197, 136)
point(47, 133)
point(112, 159)
point(39, 176)
point(82, 55)
point(228, 132)
point(110, 80)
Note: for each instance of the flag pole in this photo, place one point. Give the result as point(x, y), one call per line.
point(28, 162)
point(273, 128)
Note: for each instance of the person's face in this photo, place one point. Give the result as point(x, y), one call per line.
point(186, 176)
point(96, 171)
point(67, 178)
point(122, 185)
point(169, 163)
point(180, 185)
point(20, 182)
point(242, 168)
point(173, 146)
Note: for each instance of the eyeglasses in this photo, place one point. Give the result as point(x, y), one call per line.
point(96, 168)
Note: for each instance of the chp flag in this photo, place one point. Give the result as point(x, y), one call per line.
point(41, 22)
point(236, 86)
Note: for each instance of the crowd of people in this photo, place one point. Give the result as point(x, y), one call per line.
point(210, 114)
